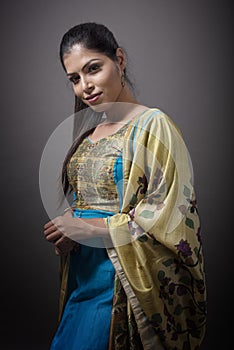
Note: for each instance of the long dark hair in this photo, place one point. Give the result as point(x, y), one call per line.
point(96, 37)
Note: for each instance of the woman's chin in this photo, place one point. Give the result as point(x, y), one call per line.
point(101, 107)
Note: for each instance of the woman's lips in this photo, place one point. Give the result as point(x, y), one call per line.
point(93, 98)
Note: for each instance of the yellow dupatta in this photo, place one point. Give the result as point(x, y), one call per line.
point(157, 244)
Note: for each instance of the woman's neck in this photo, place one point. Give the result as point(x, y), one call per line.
point(124, 108)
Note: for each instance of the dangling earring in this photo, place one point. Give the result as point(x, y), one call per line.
point(123, 79)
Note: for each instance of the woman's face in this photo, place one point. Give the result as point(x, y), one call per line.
point(95, 77)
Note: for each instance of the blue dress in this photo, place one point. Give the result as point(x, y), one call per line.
point(95, 173)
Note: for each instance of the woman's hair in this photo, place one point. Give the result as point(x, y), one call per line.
point(99, 38)
point(92, 36)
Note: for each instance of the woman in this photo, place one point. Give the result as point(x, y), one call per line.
point(131, 260)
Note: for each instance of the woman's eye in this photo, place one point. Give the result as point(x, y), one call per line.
point(75, 79)
point(94, 67)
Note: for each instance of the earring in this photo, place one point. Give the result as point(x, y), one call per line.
point(123, 79)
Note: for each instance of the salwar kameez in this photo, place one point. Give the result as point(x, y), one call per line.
point(142, 175)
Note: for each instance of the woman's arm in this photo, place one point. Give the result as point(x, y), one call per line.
point(65, 231)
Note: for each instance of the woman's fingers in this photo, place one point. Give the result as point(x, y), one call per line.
point(63, 242)
point(64, 245)
point(54, 236)
point(57, 251)
point(50, 230)
point(52, 224)
point(53, 231)
point(48, 224)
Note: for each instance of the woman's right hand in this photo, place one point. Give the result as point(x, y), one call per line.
point(63, 244)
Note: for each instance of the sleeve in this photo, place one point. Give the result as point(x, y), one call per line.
point(157, 234)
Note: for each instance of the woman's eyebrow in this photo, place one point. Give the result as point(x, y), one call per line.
point(86, 64)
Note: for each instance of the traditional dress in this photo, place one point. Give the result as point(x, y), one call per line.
point(148, 290)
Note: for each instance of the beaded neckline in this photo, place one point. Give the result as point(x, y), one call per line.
point(108, 136)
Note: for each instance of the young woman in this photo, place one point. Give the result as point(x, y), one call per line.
point(130, 245)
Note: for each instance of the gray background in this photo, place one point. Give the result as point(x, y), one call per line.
point(180, 54)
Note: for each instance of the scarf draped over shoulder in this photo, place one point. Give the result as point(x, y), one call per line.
point(156, 235)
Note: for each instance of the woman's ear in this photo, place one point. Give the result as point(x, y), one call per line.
point(121, 58)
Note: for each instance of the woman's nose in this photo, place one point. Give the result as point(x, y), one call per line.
point(87, 85)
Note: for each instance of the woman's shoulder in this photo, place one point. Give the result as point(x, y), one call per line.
point(152, 118)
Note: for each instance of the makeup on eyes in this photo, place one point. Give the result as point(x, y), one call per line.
point(83, 68)
point(91, 68)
